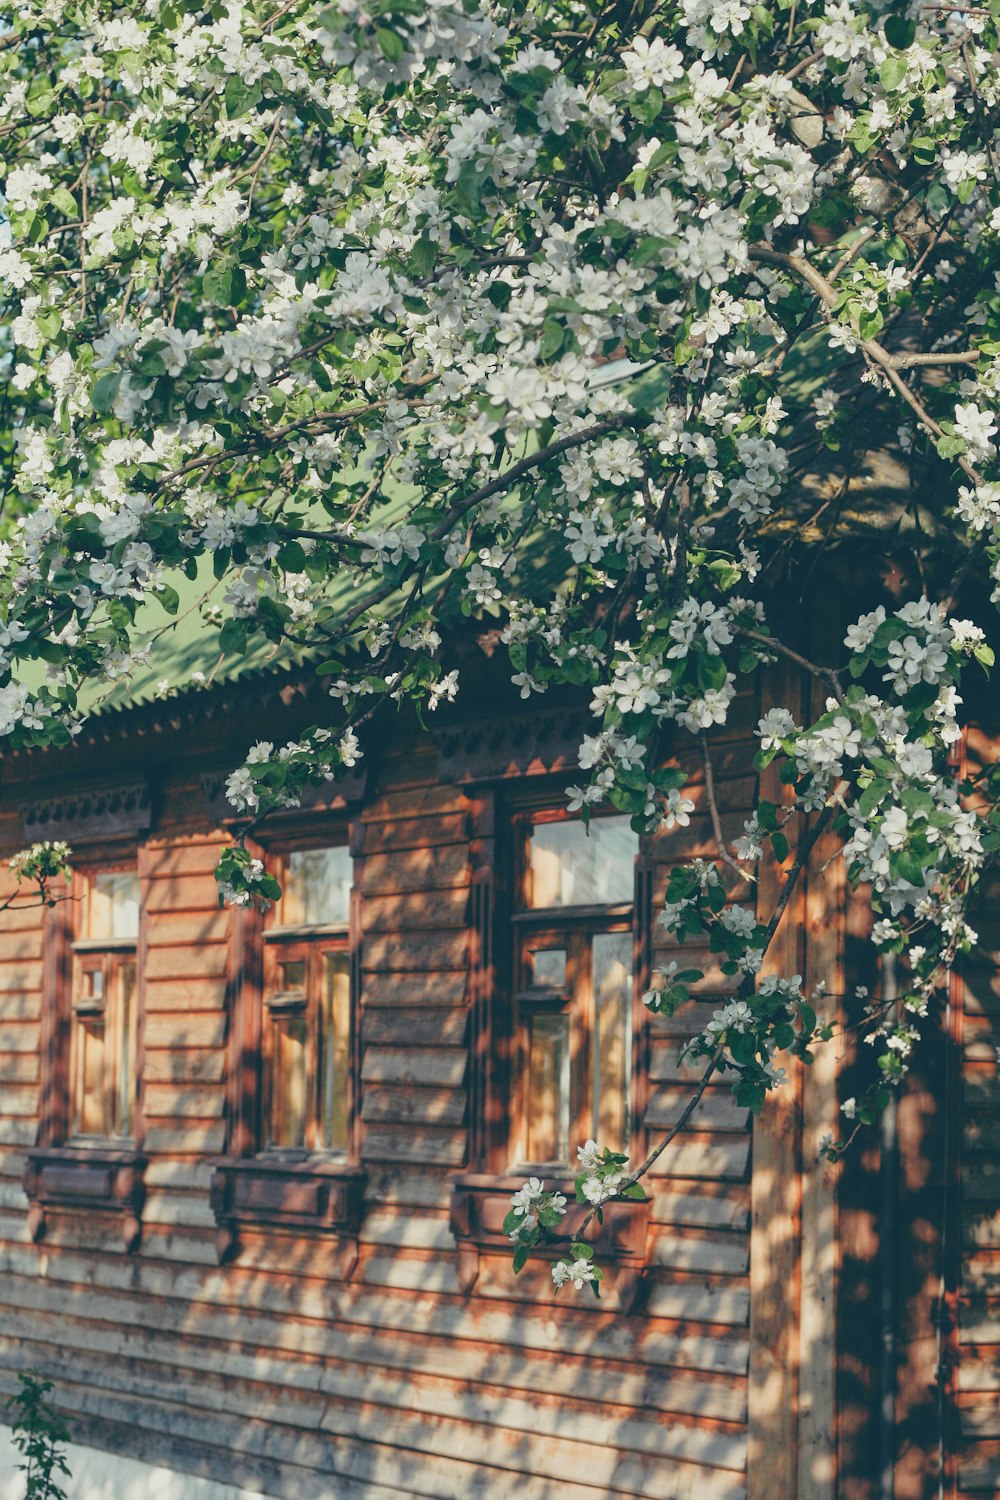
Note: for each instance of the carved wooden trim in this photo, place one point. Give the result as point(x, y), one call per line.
point(482, 973)
point(244, 1004)
point(94, 1178)
point(54, 1030)
point(121, 811)
point(480, 1203)
point(326, 797)
point(498, 748)
point(643, 923)
point(315, 1196)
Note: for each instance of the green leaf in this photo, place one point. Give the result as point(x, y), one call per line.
point(650, 251)
point(63, 199)
point(500, 293)
point(169, 598)
point(984, 654)
point(520, 1257)
point(552, 338)
point(892, 72)
point(241, 97)
point(391, 43)
point(899, 32)
point(779, 844)
point(469, 186)
point(233, 638)
point(225, 284)
point(292, 557)
point(105, 391)
point(634, 1190)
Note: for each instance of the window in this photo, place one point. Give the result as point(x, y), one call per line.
point(291, 1157)
point(89, 1152)
point(561, 950)
point(573, 986)
point(104, 1009)
point(307, 999)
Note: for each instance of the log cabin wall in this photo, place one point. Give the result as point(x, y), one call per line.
point(970, 1325)
point(277, 1369)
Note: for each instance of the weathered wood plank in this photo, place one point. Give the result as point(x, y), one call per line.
point(178, 1032)
point(411, 951)
point(717, 1110)
point(427, 1066)
point(188, 1066)
point(417, 911)
point(165, 1100)
point(776, 1190)
point(194, 856)
point(190, 994)
point(187, 929)
point(207, 961)
point(414, 870)
point(390, 836)
point(703, 1158)
point(419, 1106)
point(414, 1026)
point(21, 1036)
point(414, 989)
point(428, 1143)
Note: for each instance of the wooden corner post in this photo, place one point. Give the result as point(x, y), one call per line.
point(776, 1191)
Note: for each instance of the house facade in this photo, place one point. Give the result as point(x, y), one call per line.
point(253, 1170)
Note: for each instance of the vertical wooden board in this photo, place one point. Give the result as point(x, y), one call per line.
point(825, 895)
point(775, 1193)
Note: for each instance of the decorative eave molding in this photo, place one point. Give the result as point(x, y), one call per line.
point(500, 747)
point(119, 811)
point(326, 797)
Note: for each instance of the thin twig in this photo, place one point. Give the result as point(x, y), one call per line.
point(713, 808)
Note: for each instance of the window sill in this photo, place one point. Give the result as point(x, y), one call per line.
point(480, 1203)
point(315, 1196)
point(100, 1178)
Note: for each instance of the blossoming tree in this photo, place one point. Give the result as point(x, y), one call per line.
point(361, 319)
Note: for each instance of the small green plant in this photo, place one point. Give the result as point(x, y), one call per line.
point(39, 1435)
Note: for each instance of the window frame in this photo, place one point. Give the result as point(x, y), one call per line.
point(311, 944)
point(67, 1170)
point(260, 1186)
point(110, 957)
point(572, 928)
point(481, 1193)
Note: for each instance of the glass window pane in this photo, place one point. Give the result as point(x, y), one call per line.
point(88, 1079)
point(547, 966)
point(334, 1050)
point(288, 1081)
point(568, 867)
point(92, 985)
point(113, 905)
point(611, 973)
point(317, 888)
point(292, 976)
point(548, 1088)
point(123, 1123)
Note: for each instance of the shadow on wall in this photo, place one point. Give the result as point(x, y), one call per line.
point(103, 1476)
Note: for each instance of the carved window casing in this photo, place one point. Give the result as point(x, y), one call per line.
point(105, 1007)
point(573, 996)
point(562, 946)
point(89, 1153)
point(292, 1158)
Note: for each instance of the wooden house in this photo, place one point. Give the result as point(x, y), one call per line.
point(253, 1171)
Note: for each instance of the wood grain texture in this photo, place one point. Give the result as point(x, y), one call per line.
point(394, 1383)
point(775, 1197)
